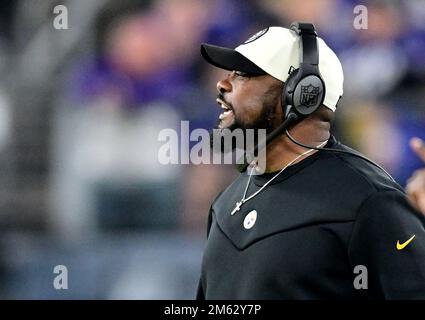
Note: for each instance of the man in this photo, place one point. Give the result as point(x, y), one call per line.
point(316, 224)
point(416, 184)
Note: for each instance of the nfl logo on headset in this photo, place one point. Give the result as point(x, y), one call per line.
point(309, 95)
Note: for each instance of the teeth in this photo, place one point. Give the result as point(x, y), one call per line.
point(224, 114)
point(223, 105)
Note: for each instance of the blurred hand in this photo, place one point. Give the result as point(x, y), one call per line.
point(416, 184)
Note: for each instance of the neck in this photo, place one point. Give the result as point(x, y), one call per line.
point(282, 151)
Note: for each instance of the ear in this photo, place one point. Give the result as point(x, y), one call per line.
point(284, 108)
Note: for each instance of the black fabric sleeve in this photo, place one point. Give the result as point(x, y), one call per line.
point(384, 219)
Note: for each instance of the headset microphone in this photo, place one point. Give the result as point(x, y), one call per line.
point(249, 156)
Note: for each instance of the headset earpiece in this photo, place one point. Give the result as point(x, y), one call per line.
point(304, 90)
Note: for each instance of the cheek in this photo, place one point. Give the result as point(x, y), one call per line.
point(248, 107)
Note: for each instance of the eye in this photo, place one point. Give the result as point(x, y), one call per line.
point(240, 73)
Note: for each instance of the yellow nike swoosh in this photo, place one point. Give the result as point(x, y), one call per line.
point(404, 244)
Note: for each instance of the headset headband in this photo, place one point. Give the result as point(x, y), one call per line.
point(308, 50)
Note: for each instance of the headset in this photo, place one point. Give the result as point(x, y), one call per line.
point(304, 90)
point(303, 93)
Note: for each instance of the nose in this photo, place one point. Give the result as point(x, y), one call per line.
point(224, 85)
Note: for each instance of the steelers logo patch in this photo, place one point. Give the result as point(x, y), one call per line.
point(250, 220)
point(257, 35)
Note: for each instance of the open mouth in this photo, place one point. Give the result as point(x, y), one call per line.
point(227, 115)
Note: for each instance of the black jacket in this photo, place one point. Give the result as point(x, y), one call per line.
point(316, 222)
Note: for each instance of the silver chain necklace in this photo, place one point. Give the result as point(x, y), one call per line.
point(244, 199)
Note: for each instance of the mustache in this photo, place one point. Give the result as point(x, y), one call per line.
point(220, 97)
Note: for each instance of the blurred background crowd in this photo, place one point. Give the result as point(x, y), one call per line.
point(81, 109)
